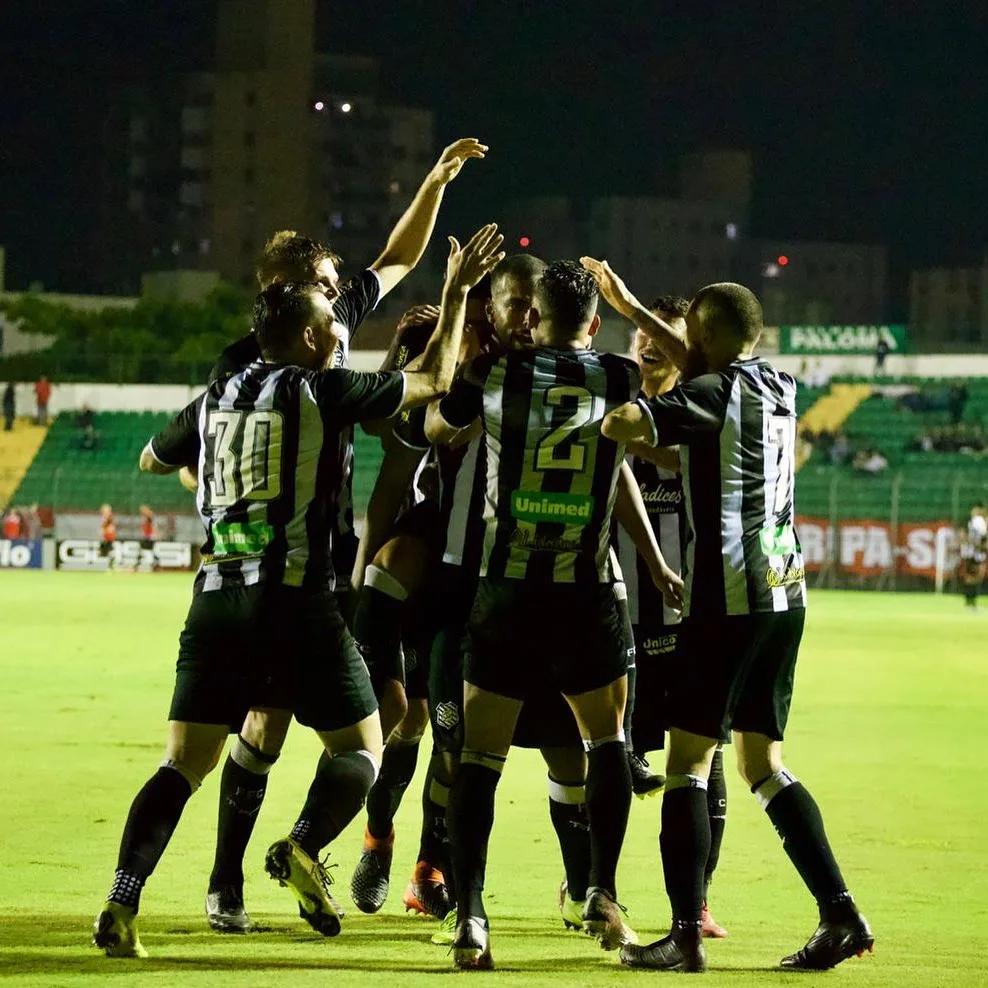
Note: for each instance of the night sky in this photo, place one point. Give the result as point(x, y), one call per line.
point(865, 124)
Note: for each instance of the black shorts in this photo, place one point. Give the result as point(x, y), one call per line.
point(570, 637)
point(269, 646)
point(105, 548)
point(654, 650)
point(456, 588)
point(147, 545)
point(546, 721)
point(735, 673)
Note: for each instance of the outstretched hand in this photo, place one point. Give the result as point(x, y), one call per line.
point(418, 315)
point(611, 286)
point(451, 160)
point(468, 264)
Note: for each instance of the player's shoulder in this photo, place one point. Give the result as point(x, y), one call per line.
point(236, 357)
point(617, 361)
point(478, 370)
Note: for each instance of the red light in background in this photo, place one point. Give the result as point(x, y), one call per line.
point(523, 241)
point(783, 260)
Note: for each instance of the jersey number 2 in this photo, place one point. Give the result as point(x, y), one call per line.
point(558, 450)
point(254, 475)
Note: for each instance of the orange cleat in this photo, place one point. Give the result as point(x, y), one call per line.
point(426, 893)
point(709, 927)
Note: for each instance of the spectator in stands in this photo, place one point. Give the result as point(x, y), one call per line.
point(819, 378)
point(86, 424)
point(13, 525)
point(881, 352)
point(840, 449)
point(956, 402)
point(870, 461)
point(9, 406)
point(922, 442)
point(42, 394)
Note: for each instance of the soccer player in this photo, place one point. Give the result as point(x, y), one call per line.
point(734, 419)
point(264, 630)
point(396, 618)
point(107, 534)
point(149, 534)
point(289, 257)
point(545, 598)
point(974, 552)
point(655, 624)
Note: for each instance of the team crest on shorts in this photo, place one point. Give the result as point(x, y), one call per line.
point(447, 715)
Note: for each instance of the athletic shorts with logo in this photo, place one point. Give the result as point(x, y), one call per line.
point(269, 646)
point(734, 673)
point(568, 636)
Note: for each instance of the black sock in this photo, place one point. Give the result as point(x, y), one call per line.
point(153, 816)
point(435, 799)
point(608, 804)
point(242, 786)
point(470, 819)
point(397, 769)
point(377, 626)
point(335, 797)
point(568, 812)
point(797, 820)
point(685, 845)
point(717, 811)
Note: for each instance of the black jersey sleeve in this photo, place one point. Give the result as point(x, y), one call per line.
point(357, 301)
point(177, 445)
point(465, 400)
point(345, 396)
point(695, 407)
point(409, 345)
point(236, 357)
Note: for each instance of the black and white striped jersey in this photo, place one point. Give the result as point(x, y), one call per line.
point(737, 436)
point(462, 486)
point(551, 475)
point(266, 443)
point(665, 504)
point(356, 301)
point(975, 546)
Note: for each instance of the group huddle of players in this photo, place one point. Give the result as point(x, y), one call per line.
point(565, 549)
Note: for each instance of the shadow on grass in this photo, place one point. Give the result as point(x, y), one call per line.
point(58, 944)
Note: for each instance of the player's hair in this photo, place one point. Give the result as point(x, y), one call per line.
point(729, 308)
point(287, 256)
point(674, 305)
point(568, 294)
point(281, 312)
point(524, 267)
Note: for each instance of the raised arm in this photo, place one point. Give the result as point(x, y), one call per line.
point(411, 234)
point(465, 267)
point(632, 516)
point(626, 304)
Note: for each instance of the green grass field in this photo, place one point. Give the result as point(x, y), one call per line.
point(888, 730)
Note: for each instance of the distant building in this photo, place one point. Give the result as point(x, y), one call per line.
point(948, 307)
point(678, 244)
point(271, 136)
point(818, 283)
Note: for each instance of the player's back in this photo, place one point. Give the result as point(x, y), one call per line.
point(745, 555)
point(551, 475)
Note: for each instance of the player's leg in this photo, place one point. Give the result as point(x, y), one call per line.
point(191, 754)
point(760, 721)
point(243, 784)
point(399, 568)
point(371, 877)
point(489, 722)
point(644, 782)
point(215, 647)
point(717, 812)
point(568, 812)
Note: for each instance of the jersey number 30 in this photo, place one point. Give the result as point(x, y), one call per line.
point(559, 450)
point(254, 474)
